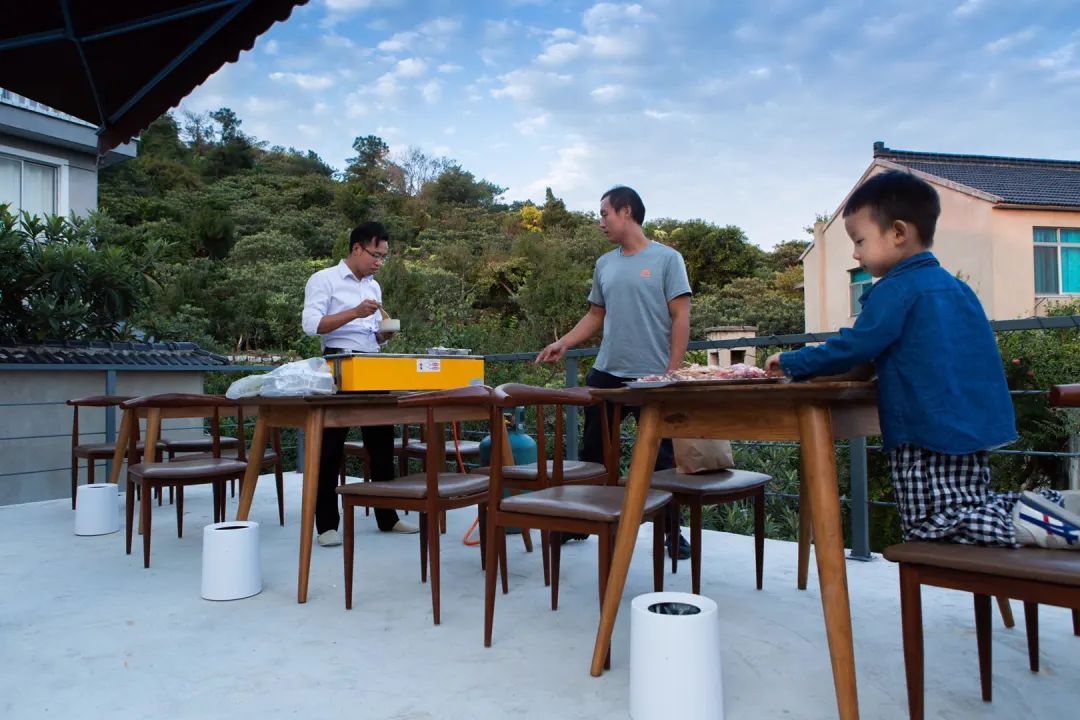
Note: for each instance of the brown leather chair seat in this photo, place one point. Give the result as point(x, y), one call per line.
point(414, 486)
point(103, 450)
point(269, 456)
point(468, 448)
point(203, 444)
point(584, 502)
point(721, 481)
point(1025, 563)
point(573, 470)
point(201, 470)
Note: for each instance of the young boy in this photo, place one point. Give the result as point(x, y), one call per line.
point(942, 397)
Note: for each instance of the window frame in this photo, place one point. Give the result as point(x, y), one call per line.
point(61, 190)
point(852, 284)
point(1058, 245)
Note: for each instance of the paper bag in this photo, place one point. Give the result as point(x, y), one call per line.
point(700, 456)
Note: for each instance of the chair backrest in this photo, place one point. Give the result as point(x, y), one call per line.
point(179, 405)
point(103, 401)
point(473, 396)
point(1065, 395)
point(511, 395)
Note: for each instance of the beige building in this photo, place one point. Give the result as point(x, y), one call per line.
point(1009, 227)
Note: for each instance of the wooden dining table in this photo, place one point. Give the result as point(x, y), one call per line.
point(815, 414)
point(313, 414)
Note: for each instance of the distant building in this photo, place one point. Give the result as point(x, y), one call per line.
point(48, 159)
point(1009, 227)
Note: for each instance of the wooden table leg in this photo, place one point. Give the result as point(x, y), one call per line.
point(641, 469)
point(819, 462)
point(121, 446)
point(313, 430)
point(254, 464)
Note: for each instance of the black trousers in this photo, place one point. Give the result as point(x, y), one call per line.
point(379, 441)
point(592, 446)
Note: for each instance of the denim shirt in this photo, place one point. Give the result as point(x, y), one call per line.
point(941, 383)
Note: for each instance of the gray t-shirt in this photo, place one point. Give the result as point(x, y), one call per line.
point(634, 291)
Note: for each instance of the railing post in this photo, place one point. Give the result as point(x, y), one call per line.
point(860, 506)
point(110, 417)
point(571, 412)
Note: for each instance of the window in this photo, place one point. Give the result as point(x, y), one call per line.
point(860, 280)
point(1057, 261)
point(28, 186)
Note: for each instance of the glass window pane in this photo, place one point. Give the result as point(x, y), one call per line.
point(1045, 235)
point(1070, 270)
point(1046, 271)
point(39, 189)
point(9, 184)
point(1070, 235)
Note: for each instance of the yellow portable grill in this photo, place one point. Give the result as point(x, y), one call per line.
point(379, 372)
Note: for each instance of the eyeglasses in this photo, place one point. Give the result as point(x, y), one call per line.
point(381, 257)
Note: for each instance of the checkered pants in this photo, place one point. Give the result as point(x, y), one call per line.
point(948, 497)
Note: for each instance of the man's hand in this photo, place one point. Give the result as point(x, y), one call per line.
point(552, 353)
point(366, 309)
point(772, 365)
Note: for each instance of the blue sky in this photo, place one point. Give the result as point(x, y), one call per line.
point(758, 113)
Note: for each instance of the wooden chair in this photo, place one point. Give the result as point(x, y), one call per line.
point(272, 458)
point(558, 506)
point(91, 452)
point(1032, 575)
point(527, 477)
point(429, 493)
point(214, 470)
point(714, 488)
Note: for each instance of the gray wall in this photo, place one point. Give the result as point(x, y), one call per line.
point(21, 454)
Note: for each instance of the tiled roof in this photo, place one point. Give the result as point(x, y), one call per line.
point(1017, 181)
point(168, 354)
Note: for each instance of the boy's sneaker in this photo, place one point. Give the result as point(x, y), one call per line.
point(330, 538)
point(1042, 522)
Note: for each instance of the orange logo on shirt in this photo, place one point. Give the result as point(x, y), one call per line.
point(645, 273)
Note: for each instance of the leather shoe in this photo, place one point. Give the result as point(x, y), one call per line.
point(684, 547)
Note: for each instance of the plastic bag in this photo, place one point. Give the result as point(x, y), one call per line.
point(701, 456)
point(303, 377)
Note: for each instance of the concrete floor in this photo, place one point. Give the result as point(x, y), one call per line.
point(86, 632)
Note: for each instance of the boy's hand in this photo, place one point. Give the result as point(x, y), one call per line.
point(772, 365)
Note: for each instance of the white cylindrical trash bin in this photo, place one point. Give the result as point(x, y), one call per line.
point(675, 658)
point(97, 509)
point(231, 568)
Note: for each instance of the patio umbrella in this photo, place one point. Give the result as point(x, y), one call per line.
point(120, 65)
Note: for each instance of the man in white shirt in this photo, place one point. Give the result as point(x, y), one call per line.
point(341, 306)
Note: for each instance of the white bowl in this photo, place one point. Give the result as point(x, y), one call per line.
point(390, 325)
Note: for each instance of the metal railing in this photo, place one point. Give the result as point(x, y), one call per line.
point(858, 501)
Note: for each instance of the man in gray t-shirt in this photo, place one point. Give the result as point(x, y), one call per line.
point(641, 298)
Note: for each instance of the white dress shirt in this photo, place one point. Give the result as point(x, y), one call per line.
point(335, 289)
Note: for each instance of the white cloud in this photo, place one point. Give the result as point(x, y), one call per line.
point(530, 126)
point(528, 85)
point(320, 108)
point(968, 8)
point(337, 10)
point(450, 130)
point(303, 80)
point(559, 53)
point(410, 68)
point(563, 34)
point(398, 42)
point(608, 93)
point(440, 26)
point(338, 42)
point(1008, 42)
point(608, 16)
point(568, 172)
point(447, 68)
point(761, 73)
point(432, 92)
point(262, 106)
point(270, 47)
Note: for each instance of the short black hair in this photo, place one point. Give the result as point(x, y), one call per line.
point(621, 196)
point(364, 232)
point(898, 195)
